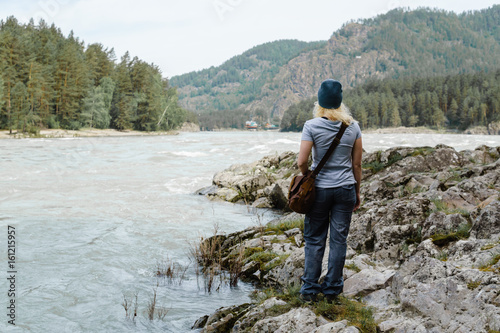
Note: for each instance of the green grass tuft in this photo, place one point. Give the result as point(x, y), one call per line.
point(473, 285)
point(282, 227)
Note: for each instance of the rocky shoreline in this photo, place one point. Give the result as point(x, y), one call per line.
point(423, 251)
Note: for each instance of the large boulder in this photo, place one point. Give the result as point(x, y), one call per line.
point(487, 224)
point(297, 320)
point(367, 281)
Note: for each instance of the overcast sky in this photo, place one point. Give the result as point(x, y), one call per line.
point(186, 35)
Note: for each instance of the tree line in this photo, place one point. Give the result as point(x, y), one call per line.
point(455, 102)
point(48, 80)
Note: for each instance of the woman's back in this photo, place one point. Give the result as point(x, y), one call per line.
point(338, 170)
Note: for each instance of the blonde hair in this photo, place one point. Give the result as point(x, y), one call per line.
point(341, 113)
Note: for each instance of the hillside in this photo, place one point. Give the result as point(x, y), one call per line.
point(241, 79)
point(400, 43)
point(48, 80)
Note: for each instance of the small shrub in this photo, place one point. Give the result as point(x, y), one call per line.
point(443, 256)
point(423, 151)
point(393, 158)
point(356, 313)
point(276, 262)
point(171, 271)
point(53, 123)
point(262, 258)
point(442, 206)
point(473, 284)
point(462, 232)
point(416, 237)
point(252, 250)
point(353, 267)
point(374, 166)
point(288, 225)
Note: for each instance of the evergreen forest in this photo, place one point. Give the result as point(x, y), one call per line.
point(48, 80)
point(453, 102)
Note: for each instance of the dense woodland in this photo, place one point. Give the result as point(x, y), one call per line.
point(48, 80)
point(456, 102)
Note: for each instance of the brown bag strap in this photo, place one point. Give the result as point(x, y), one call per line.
point(334, 145)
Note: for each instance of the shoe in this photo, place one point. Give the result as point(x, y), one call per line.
point(333, 299)
point(309, 298)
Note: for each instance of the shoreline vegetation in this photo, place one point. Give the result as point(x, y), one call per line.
point(92, 132)
point(95, 132)
point(82, 133)
point(423, 250)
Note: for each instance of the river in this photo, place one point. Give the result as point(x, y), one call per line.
point(94, 217)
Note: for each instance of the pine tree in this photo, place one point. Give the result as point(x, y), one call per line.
point(9, 57)
point(453, 112)
point(123, 99)
point(20, 106)
point(395, 118)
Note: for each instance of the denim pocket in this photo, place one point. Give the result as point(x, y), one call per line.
point(350, 193)
point(320, 195)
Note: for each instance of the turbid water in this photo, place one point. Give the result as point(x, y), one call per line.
point(95, 216)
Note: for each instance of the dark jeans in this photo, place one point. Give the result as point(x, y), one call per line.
point(332, 208)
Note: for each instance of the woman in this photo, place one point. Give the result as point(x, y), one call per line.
point(337, 191)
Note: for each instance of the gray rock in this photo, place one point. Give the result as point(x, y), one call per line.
point(227, 194)
point(293, 232)
point(224, 318)
point(488, 222)
point(289, 272)
point(200, 323)
point(297, 320)
point(255, 314)
point(367, 281)
point(279, 197)
point(441, 223)
point(335, 327)
point(262, 202)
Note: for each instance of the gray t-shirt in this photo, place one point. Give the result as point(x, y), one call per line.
point(338, 169)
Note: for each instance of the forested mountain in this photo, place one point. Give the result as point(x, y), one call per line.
point(240, 80)
point(454, 101)
point(49, 80)
point(402, 43)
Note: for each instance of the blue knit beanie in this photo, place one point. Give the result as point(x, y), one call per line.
point(330, 94)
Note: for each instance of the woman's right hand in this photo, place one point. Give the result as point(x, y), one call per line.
point(358, 202)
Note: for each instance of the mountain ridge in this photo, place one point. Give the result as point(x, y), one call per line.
point(421, 42)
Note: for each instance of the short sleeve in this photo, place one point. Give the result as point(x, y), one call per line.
point(357, 130)
point(306, 133)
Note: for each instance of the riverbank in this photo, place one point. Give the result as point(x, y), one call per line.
point(82, 133)
point(423, 250)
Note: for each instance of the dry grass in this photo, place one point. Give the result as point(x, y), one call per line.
point(130, 305)
point(208, 255)
point(153, 307)
point(172, 272)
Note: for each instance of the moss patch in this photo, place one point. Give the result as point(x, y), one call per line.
point(462, 232)
point(473, 284)
point(488, 267)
